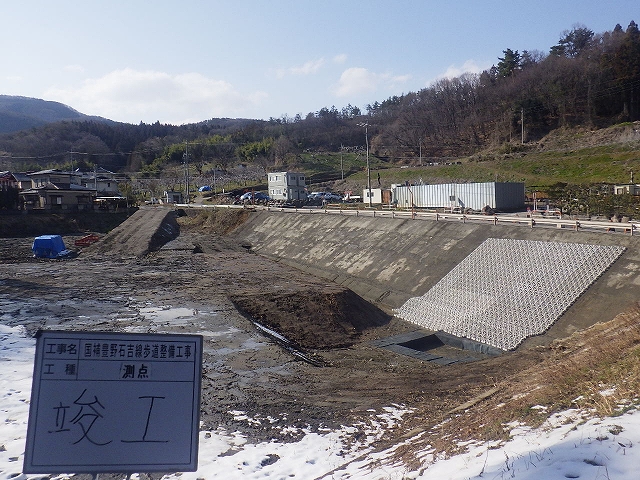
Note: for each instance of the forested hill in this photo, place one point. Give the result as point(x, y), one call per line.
point(20, 113)
point(587, 80)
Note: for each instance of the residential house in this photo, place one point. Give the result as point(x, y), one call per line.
point(103, 181)
point(24, 181)
point(104, 186)
point(57, 190)
point(8, 180)
point(56, 177)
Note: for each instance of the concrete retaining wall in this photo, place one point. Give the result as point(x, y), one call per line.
point(388, 261)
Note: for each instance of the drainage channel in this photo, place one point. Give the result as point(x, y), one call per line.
point(438, 347)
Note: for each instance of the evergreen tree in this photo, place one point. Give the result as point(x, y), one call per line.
point(573, 43)
point(509, 64)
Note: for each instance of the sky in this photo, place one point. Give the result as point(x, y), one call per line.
point(184, 61)
point(569, 445)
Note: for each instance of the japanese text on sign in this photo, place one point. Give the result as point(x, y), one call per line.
point(107, 402)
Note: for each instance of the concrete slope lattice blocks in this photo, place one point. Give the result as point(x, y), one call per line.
point(507, 290)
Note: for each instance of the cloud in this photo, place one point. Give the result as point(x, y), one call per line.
point(308, 68)
point(470, 66)
point(358, 80)
point(132, 96)
point(340, 59)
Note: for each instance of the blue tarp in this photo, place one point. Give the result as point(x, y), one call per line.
point(205, 188)
point(49, 246)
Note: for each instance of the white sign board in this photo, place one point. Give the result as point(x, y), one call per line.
point(114, 402)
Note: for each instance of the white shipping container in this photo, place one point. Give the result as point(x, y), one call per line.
point(476, 196)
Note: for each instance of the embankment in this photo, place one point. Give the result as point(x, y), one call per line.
point(389, 260)
point(145, 231)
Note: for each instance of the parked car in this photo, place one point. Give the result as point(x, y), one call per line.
point(332, 197)
point(328, 197)
point(258, 197)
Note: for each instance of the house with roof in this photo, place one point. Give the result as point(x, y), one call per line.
point(103, 181)
point(24, 181)
point(57, 190)
point(8, 180)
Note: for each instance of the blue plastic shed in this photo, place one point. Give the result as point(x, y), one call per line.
point(49, 246)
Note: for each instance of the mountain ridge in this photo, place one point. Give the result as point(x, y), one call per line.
point(20, 113)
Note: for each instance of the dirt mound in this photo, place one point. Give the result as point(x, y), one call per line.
point(332, 318)
point(145, 231)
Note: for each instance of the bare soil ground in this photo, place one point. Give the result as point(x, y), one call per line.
point(219, 288)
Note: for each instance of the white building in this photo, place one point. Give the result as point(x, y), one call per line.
point(103, 185)
point(376, 196)
point(287, 186)
point(627, 189)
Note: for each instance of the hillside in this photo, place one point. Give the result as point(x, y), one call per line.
point(572, 168)
point(20, 113)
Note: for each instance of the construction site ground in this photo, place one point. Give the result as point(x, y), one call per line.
point(206, 282)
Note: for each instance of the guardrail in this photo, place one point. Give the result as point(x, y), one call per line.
point(529, 221)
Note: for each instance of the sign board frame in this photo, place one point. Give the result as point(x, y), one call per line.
point(114, 402)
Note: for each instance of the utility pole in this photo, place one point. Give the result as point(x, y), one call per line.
point(366, 137)
point(186, 170)
point(522, 123)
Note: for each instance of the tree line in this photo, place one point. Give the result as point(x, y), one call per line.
point(585, 79)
